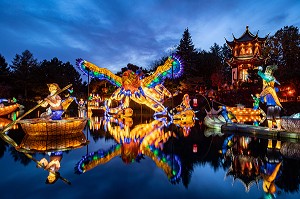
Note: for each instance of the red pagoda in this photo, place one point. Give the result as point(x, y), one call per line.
point(246, 54)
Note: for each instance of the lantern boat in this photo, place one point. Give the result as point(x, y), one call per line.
point(42, 126)
point(244, 114)
point(290, 126)
point(5, 110)
point(238, 114)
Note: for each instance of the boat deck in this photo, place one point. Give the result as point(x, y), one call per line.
point(259, 131)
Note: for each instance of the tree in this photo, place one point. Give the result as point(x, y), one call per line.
point(216, 68)
point(4, 78)
point(226, 69)
point(187, 53)
point(55, 71)
point(4, 69)
point(284, 50)
point(22, 66)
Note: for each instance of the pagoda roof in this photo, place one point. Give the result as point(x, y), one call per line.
point(246, 37)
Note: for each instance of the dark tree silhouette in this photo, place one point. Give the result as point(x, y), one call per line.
point(22, 67)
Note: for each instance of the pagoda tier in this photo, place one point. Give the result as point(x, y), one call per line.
point(237, 61)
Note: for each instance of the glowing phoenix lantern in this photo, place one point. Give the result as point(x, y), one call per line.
point(134, 86)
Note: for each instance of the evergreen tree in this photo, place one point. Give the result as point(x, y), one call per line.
point(187, 53)
point(5, 88)
point(4, 70)
point(22, 66)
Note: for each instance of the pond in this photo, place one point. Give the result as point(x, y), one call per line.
point(145, 158)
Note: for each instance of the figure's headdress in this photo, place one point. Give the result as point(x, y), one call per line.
point(270, 69)
point(54, 84)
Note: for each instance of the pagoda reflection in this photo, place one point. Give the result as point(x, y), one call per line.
point(252, 161)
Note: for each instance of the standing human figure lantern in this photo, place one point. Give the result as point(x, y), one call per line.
point(269, 96)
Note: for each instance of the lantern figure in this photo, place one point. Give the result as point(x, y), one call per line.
point(195, 102)
point(195, 148)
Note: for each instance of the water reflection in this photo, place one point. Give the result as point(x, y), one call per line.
point(133, 143)
point(252, 160)
point(50, 145)
point(261, 164)
point(247, 160)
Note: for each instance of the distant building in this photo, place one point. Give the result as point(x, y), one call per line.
point(246, 54)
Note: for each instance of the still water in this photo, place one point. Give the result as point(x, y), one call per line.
point(145, 158)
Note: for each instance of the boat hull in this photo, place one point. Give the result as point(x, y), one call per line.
point(40, 126)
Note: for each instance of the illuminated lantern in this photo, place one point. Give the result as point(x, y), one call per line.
point(195, 102)
point(195, 148)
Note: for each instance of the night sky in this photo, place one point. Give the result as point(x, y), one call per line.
point(113, 33)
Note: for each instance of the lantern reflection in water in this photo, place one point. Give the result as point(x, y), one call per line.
point(133, 143)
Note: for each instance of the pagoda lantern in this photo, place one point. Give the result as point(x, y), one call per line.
point(246, 54)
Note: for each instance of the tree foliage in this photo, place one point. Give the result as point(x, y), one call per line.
point(22, 68)
point(5, 78)
point(55, 71)
point(284, 50)
point(4, 69)
point(187, 53)
point(30, 78)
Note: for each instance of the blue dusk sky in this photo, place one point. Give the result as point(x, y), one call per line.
point(113, 33)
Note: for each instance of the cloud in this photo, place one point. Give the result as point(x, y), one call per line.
point(115, 33)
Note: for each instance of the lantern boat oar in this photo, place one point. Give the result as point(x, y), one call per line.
point(9, 126)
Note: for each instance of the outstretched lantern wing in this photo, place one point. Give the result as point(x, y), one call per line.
point(172, 68)
point(100, 73)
